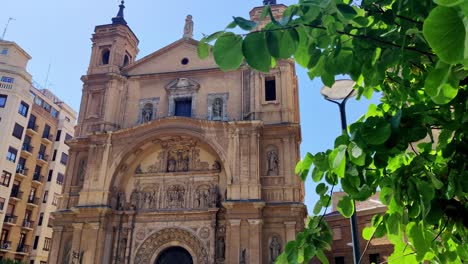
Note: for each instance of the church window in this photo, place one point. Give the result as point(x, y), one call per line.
point(183, 107)
point(126, 60)
point(184, 61)
point(105, 56)
point(270, 89)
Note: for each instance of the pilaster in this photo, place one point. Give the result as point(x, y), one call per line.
point(255, 254)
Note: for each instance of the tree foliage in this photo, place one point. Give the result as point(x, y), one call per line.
point(412, 146)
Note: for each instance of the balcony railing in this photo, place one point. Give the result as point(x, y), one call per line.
point(27, 147)
point(28, 224)
point(5, 245)
point(34, 201)
point(22, 249)
point(33, 126)
point(16, 194)
point(11, 219)
point(22, 170)
point(49, 137)
point(38, 177)
point(42, 156)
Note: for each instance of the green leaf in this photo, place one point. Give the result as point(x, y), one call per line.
point(386, 195)
point(213, 36)
point(203, 49)
point(368, 232)
point(305, 166)
point(346, 206)
point(337, 160)
point(420, 238)
point(317, 208)
point(244, 23)
point(445, 32)
point(356, 153)
point(256, 52)
point(347, 11)
point(321, 189)
point(448, 3)
point(227, 51)
point(282, 43)
point(438, 87)
point(436, 182)
point(321, 256)
point(376, 131)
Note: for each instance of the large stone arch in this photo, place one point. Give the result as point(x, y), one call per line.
point(162, 128)
point(164, 238)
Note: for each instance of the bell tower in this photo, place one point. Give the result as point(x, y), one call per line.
point(104, 87)
point(114, 46)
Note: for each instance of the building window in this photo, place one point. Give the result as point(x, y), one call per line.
point(183, 107)
point(41, 218)
point(270, 89)
point(60, 178)
point(2, 203)
point(5, 179)
point(54, 155)
point(49, 177)
point(105, 57)
point(11, 154)
point(64, 159)
point(36, 241)
point(32, 122)
point(4, 51)
point(54, 113)
point(46, 194)
point(374, 258)
point(3, 99)
point(47, 243)
point(47, 107)
point(55, 199)
point(339, 260)
point(18, 131)
point(7, 79)
point(67, 119)
point(32, 195)
point(68, 137)
point(38, 101)
point(23, 109)
point(59, 133)
point(46, 132)
point(126, 60)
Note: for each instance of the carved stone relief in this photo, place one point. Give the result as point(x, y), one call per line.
point(217, 106)
point(204, 232)
point(272, 161)
point(220, 244)
point(274, 248)
point(175, 196)
point(161, 237)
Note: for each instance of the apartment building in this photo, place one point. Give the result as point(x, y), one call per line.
point(34, 126)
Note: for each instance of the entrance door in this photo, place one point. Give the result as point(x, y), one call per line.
point(174, 255)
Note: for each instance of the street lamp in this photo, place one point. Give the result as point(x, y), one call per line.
point(339, 94)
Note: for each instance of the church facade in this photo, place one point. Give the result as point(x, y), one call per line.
point(175, 161)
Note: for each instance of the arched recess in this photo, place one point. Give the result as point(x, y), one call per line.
point(125, 157)
point(148, 251)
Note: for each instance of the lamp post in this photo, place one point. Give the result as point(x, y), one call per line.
point(339, 94)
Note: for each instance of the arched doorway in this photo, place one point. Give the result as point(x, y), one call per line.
point(174, 255)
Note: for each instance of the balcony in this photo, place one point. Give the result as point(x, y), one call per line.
point(21, 171)
point(32, 129)
point(42, 158)
point(47, 139)
point(27, 224)
point(27, 149)
point(10, 220)
point(5, 246)
point(22, 249)
point(33, 201)
point(16, 194)
point(38, 178)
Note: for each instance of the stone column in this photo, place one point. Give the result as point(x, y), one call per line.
point(76, 243)
point(233, 241)
point(56, 243)
point(90, 240)
point(255, 245)
point(290, 230)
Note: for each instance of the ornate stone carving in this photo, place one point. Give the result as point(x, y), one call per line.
point(140, 234)
point(272, 163)
point(175, 196)
point(206, 197)
point(204, 232)
point(148, 109)
point(217, 106)
point(275, 248)
point(81, 170)
point(156, 240)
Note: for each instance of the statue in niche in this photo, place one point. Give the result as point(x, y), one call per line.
point(272, 163)
point(275, 249)
point(147, 113)
point(114, 199)
point(122, 249)
point(135, 199)
point(188, 28)
point(175, 196)
point(182, 162)
point(243, 259)
point(213, 196)
point(121, 201)
point(217, 108)
point(81, 170)
point(197, 199)
point(221, 248)
point(171, 165)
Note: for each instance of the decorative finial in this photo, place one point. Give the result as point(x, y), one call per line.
point(119, 19)
point(269, 2)
point(188, 29)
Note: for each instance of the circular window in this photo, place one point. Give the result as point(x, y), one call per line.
point(184, 61)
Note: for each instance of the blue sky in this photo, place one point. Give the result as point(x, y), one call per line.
point(58, 32)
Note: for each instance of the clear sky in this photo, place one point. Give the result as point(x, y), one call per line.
point(58, 32)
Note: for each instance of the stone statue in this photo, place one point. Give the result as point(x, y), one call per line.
point(272, 163)
point(188, 29)
point(197, 199)
point(275, 249)
point(121, 201)
point(269, 2)
point(213, 196)
point(243, 258)
point(221, 248)
point(135, 199)
point(171, 165)
point(147, 113)
point(81, 170)
point(218, 108)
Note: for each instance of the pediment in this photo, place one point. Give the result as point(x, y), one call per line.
point(185, 84)
point(179, 56)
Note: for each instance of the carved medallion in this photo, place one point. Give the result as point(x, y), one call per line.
point(204, 232)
